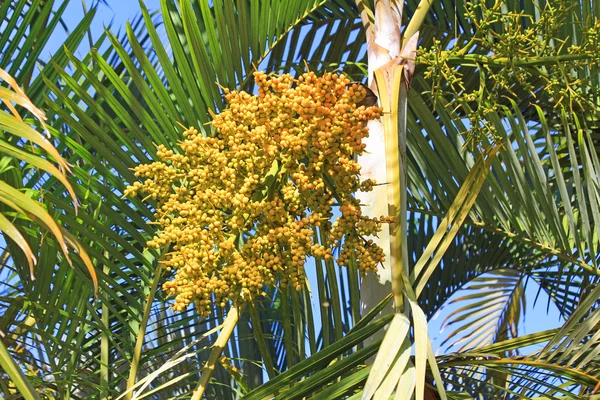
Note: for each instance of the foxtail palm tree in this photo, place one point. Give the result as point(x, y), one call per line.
point(490, 139)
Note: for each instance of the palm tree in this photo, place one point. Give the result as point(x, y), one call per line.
point(489, 216)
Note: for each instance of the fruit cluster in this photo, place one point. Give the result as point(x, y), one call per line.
point(244, 208)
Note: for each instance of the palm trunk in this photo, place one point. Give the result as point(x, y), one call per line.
point(383, 44)
point(386, 160)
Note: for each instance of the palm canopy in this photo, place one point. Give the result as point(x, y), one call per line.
point(535, 217)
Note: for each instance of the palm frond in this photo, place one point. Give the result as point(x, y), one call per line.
point(553, 372)
point(490, 309)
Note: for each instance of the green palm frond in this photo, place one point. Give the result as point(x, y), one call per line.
point(473, 253)
point(567, 366)
point(485, 371)
point(509, 203)
point(29, 154)
point(27, 25)
point(23, 205)
point(490, 309)
point(323, 367)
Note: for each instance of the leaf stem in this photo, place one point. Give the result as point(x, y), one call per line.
point(416, 21)
point(228, 327)
point(20, 381)
point(141, 335)
point(582, 376)
point(104, 344)
point(476, 59)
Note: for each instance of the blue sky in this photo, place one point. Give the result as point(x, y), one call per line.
point(119, 12)
point(116, 13)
